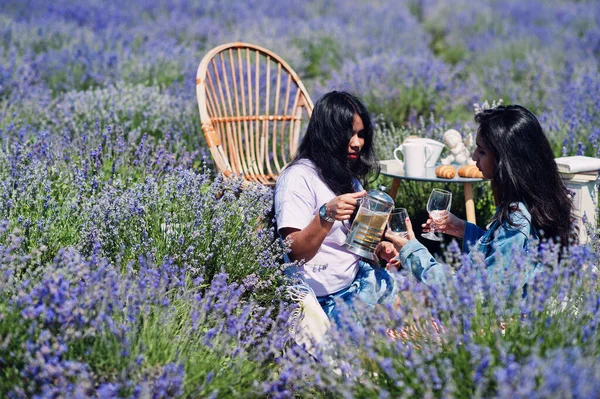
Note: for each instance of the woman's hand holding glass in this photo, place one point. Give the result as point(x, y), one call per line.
point(448, 223)
point(399, 240)
point(386, 250)
point(437, 206)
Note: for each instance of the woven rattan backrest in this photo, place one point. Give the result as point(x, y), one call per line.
point(253, 108)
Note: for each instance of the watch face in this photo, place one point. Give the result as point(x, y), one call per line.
point(323, 211)
point(323, 214)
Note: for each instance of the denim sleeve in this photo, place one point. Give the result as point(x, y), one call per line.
point(472, 234)
point(505, 243)
point(508, 241)
point(416, 258)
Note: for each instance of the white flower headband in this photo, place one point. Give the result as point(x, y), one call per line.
point(480, 108)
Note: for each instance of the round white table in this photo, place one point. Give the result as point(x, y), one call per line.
point(430, 176)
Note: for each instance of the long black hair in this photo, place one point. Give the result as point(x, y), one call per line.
point(525, 169)
point(326, 141)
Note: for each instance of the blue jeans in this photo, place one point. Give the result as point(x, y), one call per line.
point(372, 285)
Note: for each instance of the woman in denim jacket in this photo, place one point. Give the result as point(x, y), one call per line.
point(532, 202)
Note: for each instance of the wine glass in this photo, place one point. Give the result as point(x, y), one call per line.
point(397, 222)
point(437, 206)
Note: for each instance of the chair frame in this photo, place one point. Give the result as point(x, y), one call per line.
point(242, 138)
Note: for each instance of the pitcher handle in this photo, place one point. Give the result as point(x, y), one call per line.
point(346, 223)
point(400, 148)
point(428, 154)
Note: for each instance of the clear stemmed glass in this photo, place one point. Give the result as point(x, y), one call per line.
point(437, 205)
point(397, 222)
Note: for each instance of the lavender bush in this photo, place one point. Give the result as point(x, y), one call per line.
point(129, 269)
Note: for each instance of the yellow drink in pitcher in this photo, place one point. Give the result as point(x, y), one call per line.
point(372, 220)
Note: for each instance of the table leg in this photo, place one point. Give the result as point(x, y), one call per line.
point(469, 204)
point(394, 189)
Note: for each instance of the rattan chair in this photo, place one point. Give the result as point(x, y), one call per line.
point(253, 108)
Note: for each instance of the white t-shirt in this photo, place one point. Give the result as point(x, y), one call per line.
point(299, 194)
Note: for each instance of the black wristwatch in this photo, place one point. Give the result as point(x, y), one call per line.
point(323, 214)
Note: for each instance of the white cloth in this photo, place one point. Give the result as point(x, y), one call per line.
point(299, 194)
point(577, 164)
point(309, 322)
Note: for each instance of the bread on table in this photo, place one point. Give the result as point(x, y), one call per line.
point(445, 171)
point(470, 171)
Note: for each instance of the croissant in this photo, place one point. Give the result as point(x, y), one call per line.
point(445, 171)
point(470, 171)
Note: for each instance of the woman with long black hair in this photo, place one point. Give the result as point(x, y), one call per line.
point(531, 198)
point(318, 191)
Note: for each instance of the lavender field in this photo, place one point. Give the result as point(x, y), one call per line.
point(129, 269)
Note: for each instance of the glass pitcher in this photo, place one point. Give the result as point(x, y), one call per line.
point(369, 224)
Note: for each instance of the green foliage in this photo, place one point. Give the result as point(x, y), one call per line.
point(322, 55)
point(124, 210)
point(161, 74)
point(415, 100)
point(62, 80)
point(13, 336)
point(452, 54)
point(165, 336)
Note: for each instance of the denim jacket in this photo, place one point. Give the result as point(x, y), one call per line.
point(493, 246)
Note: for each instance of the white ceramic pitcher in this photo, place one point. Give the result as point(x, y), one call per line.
point(435, 146)
point(415, 155)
